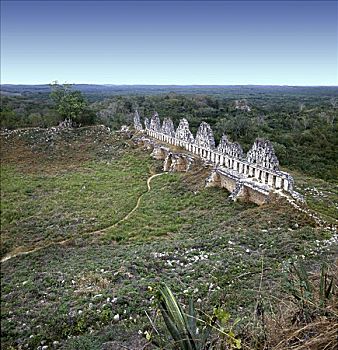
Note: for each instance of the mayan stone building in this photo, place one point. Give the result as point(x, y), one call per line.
point(253, 177)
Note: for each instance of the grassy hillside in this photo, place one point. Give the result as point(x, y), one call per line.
point(69, 202)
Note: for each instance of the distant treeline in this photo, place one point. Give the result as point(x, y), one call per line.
point(300, 121)
point(237, 91)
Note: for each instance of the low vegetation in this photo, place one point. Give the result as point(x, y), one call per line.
point(89, 280)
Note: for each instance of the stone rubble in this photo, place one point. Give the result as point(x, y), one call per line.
point(177, 162)
point(66, 124)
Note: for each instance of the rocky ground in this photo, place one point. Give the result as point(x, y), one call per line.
point(79, 261)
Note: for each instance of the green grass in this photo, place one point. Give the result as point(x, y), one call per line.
point(39, 208)
point(320, 196)
point(192, 238)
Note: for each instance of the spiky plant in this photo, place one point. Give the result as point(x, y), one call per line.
point(190, 332)
point(311, 297)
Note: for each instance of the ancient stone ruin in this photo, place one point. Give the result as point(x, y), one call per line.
point(66, 124)
point(205, 136)
point(137, 121)
point(252, 177)
point(183, 133)
point(155, 123)
point(263, 154)
point(230, 149)
point(242, 105)
point(168, 127)
point(146, 123)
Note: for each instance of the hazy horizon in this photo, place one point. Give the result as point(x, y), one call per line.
point(279, 43)
point(137, 84)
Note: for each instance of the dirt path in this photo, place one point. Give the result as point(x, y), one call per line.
point(131, 212)
point(20, 250)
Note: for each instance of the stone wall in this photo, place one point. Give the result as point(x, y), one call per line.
point(241, 174)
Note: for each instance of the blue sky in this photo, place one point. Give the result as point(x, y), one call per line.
point(170, 42)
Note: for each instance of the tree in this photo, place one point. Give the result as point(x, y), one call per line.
point(70, 103)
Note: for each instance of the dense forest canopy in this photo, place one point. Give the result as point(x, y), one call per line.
point(300, 121)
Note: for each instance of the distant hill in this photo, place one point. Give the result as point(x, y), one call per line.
point(239, 90)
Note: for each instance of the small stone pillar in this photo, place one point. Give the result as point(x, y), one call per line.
point(246, 169)
point(263, 174)
point(251, 171)
point(270, 180)
point(227, 162)
point(286, 185)
point(278, 182)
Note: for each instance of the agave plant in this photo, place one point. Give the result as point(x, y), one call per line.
point(190, 332)
point(311, 297)
point(326, 285)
